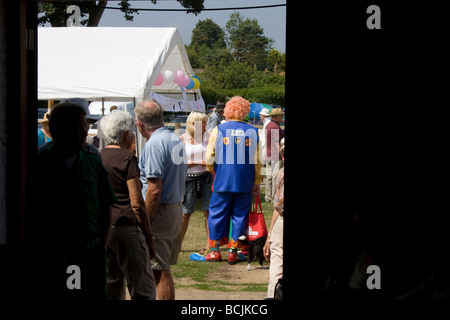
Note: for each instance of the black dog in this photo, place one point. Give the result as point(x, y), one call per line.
point(256, 249)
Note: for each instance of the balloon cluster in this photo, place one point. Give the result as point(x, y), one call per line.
point(179, 77)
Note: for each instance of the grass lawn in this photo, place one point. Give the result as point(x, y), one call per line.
point(187, 273)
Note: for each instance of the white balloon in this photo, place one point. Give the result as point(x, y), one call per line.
point(168, 76)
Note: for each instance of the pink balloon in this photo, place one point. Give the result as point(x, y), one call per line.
point(178, 77)
point(185, 81)
point(159, 80)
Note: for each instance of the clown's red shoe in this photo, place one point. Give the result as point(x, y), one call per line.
point(213, 256)
point(233, 257)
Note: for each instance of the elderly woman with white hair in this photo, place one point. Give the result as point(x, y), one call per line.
point(130, 246)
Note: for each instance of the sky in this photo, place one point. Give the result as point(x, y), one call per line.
point(272, 20)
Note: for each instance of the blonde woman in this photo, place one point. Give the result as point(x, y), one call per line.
point(198, 178)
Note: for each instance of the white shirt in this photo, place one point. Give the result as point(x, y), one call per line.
point(262, 138)
point(196, 153)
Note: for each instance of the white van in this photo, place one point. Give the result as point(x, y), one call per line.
point(95, 107)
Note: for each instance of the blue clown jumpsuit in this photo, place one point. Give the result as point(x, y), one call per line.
point(232, 156)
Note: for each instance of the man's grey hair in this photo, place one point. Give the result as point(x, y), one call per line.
point(114, 125)
point(150, 113)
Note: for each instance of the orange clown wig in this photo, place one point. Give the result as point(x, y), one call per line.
point(236, 108)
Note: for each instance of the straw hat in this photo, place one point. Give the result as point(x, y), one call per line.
point(45, 120)
point(277, 112)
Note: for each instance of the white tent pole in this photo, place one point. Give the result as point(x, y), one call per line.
point(140, 140)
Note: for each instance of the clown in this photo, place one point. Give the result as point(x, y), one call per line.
point(232, 156)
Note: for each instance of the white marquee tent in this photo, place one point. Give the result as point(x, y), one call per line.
point(114, 64)
point(111, 64)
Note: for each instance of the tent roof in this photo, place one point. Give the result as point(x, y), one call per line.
point(110, 63)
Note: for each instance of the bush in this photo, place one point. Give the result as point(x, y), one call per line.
point(269, 95)
point(211, 95)
point(220, 82)
point(228, 76)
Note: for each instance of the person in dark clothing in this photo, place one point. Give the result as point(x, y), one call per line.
point(72, 216)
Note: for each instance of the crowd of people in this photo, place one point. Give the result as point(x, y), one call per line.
point(122, 220)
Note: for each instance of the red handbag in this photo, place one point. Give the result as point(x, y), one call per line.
point(256, 224)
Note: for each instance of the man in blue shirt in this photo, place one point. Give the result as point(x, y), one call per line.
point(163, 169)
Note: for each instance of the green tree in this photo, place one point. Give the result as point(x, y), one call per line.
point(194, 58)
point(208, 33)
point(92, 11)
point(267, 79)
point(228, 75)
point(208, 45)
point(205, 56)
point(277, 57)
point(247, 42)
